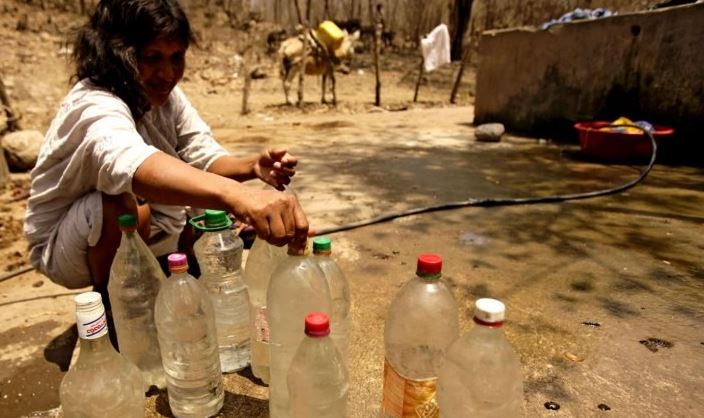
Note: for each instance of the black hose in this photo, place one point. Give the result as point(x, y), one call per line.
point(487, 202)
point(14, 273)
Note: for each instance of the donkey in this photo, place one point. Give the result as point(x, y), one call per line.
point(319, 60)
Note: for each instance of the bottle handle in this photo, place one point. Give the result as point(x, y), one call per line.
point(198, 222)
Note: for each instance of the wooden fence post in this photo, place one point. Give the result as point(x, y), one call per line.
point(420, 71)
point(377, 47)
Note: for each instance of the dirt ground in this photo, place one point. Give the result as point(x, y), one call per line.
point(587, 283)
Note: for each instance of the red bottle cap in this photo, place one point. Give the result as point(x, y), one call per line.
point(317, 324)
point(429, 264)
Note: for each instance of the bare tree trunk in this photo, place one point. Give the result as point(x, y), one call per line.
point(12, 120)
point(458, 80)
point(298, 12)
point(459, 21)
point(304, 54)
point(370, 10)
point(420, 77)
point(377, 47)
point(247, 86)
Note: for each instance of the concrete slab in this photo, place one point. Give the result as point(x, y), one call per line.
point(630, 263)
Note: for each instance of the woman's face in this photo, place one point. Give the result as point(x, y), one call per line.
point(161, 64)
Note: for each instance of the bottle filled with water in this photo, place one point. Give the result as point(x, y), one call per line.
point(339, 293)
point(263, 258)
point(481, 375)
point(219, 254)
point(297, 287)
point(135, 279)
point(317, 379)
point(102, 383)
point(188, 341)
point(422, 321)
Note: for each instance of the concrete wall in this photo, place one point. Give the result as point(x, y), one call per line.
point(503, 14)
point(647, 65)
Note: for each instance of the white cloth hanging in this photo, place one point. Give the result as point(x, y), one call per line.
point(436, 48)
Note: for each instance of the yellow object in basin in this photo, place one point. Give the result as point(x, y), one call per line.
point(624, 129)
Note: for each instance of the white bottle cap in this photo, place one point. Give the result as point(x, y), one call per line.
point(87, 301)
point(489, 310)
point(90, 316)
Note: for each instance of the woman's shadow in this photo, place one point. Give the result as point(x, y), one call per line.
point(60, 349)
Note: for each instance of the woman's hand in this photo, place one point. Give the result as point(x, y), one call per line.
point(276, 167)
point(277, 217)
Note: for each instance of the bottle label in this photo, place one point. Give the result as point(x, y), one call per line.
point(92, 324)
point(261, 324)
point(406, 398)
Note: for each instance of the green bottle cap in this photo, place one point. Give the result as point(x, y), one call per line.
point(213, 220)
point(127, 220)
point(322, 244)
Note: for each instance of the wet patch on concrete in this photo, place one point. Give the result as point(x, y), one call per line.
point(654, 344)
point(29, 381)
point(33, 386)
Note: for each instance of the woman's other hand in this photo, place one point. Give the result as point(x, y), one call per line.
point(276, 167)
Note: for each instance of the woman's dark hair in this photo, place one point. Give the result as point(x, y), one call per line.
point(107, 47)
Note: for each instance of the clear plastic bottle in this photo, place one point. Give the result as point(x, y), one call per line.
point(188, 341)
point(219, 254)
point(263, 258)
point(422, 322)
point(102, 383)
point(297, 287)
point(481, 374)
point(135, 279)
point(339, 293)
point(317, 380)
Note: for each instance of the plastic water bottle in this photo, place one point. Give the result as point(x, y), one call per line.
point(317, 379)
point(481, 375)
point(422, 322)
point(102, 383)
point(135, 279)
point(219, 254)
point(339, 293)
point(261, 262)
point(297, 287)
point(188, 341)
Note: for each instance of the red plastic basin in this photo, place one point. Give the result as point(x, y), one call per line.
point(617, 146)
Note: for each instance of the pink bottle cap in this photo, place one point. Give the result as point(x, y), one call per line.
point(317, 324)
point(177, 261)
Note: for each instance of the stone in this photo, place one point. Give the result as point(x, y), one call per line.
point(22, 148)
point(489, 132)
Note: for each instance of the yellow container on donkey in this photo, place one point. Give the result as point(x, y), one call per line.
point(330, 34)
